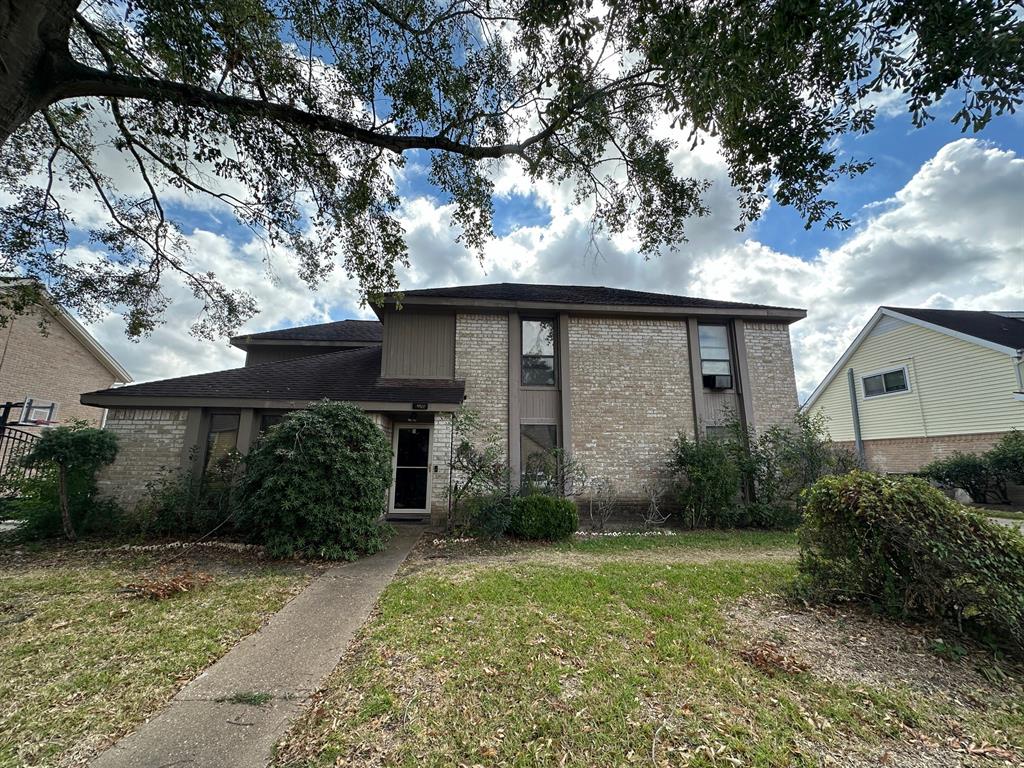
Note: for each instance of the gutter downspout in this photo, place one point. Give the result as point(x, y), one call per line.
point(855, 412)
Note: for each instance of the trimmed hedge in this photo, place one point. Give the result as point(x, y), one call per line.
point(905, 548)
point(544, 518)
point(316, 485)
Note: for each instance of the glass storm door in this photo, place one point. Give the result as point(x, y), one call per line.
point(410, 495)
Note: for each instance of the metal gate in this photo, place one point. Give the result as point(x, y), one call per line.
point(14, 444)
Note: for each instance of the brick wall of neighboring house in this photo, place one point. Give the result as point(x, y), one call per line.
point(909, 454)
point(51, 366)
point(481, 358)
point(631, 396)
point(151, 446)
point(772, 379)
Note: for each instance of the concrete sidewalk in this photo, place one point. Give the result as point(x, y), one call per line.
point(288, 658)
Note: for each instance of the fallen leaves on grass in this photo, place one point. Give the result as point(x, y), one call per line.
point(771, 659)
point(166, 585)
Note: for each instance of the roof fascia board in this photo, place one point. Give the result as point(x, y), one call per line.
point(781, 313)
point(841, 362)
point(114, 400)
point(955, 334)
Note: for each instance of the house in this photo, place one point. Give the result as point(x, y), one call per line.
point(47, 359)
point(611, 376)
point(919, 384)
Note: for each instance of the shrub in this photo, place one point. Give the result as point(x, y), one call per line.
point(1007, 457)
point(317, 485)
point(35, 504)
point(67, 459)
point(178, 504)
point(544, 518)
point(707, 481)
point(490, 516)
point(970, 472)
point(908, 550)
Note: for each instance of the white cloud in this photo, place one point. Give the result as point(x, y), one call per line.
point(953, 236)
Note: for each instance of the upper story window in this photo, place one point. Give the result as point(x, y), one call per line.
point(538, 363)
point(886, 382)
point(715, 360)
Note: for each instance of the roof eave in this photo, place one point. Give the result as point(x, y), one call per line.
point(782, 314)
point(111, 399)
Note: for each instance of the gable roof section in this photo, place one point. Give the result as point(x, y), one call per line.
point(77, 330)
point(351, 374)
point(584, 296)
point(340, 332)
point(986, 329)
point(997, 329)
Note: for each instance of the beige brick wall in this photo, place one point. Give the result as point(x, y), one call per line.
point(481, 358)
point(51, 365)
point(631, 396)
point(151, 447)
point(909, 454)
point(772, 379)
point(440, 456)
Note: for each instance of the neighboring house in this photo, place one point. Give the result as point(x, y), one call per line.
point(47, 359)
point(610, 376)
point(919, 384)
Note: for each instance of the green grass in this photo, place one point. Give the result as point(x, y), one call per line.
point(719, 540)
point(81, 662)
point(534, 664)
point(1007, 514)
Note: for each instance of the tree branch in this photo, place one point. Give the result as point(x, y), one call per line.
point(75, 80)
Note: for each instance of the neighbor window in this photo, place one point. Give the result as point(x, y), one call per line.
point(537, 449)
point(268, 420)
point(885, 383)
point(538, 353)
point(222, 438)
point(715, 361)
point(36, 411)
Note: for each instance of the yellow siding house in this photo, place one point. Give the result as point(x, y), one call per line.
point(918, 384)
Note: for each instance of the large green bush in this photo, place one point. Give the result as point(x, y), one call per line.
point(908, 550)
point(1007, 457)
point(971, 472)
point(317, 485)
point(707, 481)
point(543, 518)
point(60, 495)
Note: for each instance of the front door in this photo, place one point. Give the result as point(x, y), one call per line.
point(410, 492)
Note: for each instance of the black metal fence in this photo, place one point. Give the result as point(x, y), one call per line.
point(14, 444)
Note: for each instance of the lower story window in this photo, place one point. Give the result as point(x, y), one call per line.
point(222, 438)
point(537, 449)
point(885, 383)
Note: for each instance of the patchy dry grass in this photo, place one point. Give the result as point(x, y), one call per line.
point(82, 660)
point(613, 656)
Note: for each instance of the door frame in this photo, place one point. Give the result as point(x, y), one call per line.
point(413, 513)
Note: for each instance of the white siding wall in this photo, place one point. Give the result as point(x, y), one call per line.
point(957, 387)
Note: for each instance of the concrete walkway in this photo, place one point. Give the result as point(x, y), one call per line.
point(288, 658)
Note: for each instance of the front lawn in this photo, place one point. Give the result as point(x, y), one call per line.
point(82, 661)
point(673, 650)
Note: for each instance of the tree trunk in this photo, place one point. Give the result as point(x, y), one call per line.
point(65, 510)
point(33, 35)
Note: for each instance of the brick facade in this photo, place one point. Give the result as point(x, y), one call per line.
point(909, 454)
point(772, 379)
point(440, 453)
point(481, 359)
point(151, 447)
point(631, 396)
point(50, 365)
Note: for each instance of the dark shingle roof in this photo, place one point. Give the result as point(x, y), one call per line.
point(988, 326)
point(352, 374)
point(340, 331)
point(577, 294)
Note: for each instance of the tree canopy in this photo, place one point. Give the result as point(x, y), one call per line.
point(297, 115)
